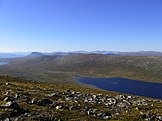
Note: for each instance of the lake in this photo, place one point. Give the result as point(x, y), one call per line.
point(147, 89)
point(3, 63)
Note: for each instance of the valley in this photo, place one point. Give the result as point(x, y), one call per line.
point(80, 60)
point(63, 68)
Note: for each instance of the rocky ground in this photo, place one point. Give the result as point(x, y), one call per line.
point(23, 100)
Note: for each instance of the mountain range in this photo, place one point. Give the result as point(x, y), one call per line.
point(22, 54)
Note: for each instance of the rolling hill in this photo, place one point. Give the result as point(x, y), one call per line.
point(63, 67)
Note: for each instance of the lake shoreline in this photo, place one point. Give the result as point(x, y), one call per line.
point(3, 63)
point(133, 87)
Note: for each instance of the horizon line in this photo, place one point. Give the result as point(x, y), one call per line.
point(78, 51)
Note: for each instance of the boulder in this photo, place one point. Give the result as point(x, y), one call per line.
point(44, 102)
point(8, 98)
point(104, 115)
point(12, 105)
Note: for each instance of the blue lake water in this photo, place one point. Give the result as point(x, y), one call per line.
point(3, 63)
point(128, 86)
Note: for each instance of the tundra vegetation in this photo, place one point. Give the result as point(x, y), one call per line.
point(62, 68)
point(22, 100)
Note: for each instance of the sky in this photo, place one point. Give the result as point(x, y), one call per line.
point(76, 25)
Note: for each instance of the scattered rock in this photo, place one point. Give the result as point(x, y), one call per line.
point(88, 104)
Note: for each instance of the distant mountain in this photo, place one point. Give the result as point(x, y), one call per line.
point(13, 55)
point(140, 53)
point(36, 54)
point(22, 54)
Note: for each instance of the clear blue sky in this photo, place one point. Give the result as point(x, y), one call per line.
point(71, 25)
